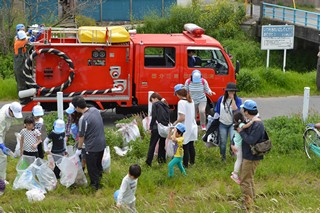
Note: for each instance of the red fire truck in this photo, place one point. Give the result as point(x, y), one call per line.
point(114, 68)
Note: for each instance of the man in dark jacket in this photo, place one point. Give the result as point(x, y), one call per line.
point(250, 136)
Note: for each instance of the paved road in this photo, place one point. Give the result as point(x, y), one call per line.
point(268, 108)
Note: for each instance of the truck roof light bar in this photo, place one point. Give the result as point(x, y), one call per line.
point(194, 29)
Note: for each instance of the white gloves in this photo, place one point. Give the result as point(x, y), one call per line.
point(78, 152)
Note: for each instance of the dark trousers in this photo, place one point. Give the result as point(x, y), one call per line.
point(40, 151)
point(189, 153)
point(31, 153)
point(155, 137)
point(94, 168)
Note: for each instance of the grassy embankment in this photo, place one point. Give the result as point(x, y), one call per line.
point(286, 181)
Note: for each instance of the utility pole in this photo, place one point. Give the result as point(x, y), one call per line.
point(68, 13)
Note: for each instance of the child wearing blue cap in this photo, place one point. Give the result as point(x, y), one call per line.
point(177, 138)
point(57, 136)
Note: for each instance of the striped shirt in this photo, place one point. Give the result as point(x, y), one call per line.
point(198, 90)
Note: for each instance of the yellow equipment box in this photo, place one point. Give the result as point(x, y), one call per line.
point(93, 34)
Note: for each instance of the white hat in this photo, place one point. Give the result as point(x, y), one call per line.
point(16, 109)
point(70, 109)
point(59, 126)
point(37, 110)
point(21, 34)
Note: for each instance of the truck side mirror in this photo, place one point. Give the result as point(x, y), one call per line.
point(237, 66)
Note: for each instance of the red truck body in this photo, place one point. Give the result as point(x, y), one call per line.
point(125, 71)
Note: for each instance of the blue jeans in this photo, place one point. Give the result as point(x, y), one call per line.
point(224, 130)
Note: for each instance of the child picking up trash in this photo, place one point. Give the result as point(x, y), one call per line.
point(177, 138)
point(125, 196)
point(57, 136)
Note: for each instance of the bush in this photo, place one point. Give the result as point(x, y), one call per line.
point(248, 81)
point(220, 20)
point(286, 133)
point(6, 64)
point(84, 21)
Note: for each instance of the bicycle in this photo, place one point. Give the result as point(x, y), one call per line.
point(311, 138)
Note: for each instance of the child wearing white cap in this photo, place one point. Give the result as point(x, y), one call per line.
point(37, 112)
point(59, 144)
point(30, 138)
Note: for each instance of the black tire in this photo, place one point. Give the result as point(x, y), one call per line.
point(311, 143)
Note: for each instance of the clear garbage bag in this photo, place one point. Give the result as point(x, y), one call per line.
point(106, 160)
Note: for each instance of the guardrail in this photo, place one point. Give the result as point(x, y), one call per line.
point(288, 14)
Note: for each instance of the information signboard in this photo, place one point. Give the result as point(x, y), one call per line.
point(277, 37)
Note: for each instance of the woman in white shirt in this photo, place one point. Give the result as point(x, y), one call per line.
point(186, 116)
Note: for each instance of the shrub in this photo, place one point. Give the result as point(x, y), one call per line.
point(84, 21)
point(6, 64)
point(221, 19)
point(286, 132)
point(248, 81)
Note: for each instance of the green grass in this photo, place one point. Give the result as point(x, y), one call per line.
point(286, 181)
point(262, 82)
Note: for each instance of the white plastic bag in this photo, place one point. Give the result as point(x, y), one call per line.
point(51, 163)
point(27, 180)
point(68, 170)
point(121, 152)
point(106, 160)
point(130, 132)
point(17, 149)
point(44, 174)
point(146, 123)
point(70, 150)
point(164, 130)
point(169, 148)
point(81, 179)
point(35, 195)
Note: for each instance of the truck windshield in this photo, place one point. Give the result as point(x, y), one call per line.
point(208, 58)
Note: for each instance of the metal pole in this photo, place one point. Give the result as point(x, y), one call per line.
point(130, 10)
point(162, 8)
point(306, 98)
point(251, 9)
point(284, 60)
point(100, 11)
point(60, 104)
point(268, 56)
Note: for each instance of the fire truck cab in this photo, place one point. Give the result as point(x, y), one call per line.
point(114, 68)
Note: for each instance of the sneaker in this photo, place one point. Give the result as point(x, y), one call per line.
point(203, 127)
point(235, 178)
